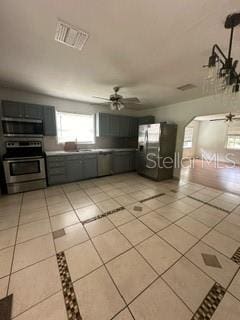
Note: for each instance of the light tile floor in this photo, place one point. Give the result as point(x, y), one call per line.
point(157, 255)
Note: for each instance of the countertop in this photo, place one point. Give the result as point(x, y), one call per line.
point(85, 151)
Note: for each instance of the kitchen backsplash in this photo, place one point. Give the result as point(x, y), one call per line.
point(51, 144)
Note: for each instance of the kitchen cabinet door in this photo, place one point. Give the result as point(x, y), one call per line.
point(123, 162)
point(12, 109)
point(74, 170)
point(114, 126)
point(33, 111)
point(102, 124)
point(90, 168)
point(124, 127)
point(146, 120)
point(49, 121)
point(133, 124)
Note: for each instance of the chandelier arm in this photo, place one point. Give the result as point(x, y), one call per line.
point(230, 43)
point(216, 47)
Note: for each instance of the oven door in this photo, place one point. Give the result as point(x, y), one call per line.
point(22, 127)
point(25, 169)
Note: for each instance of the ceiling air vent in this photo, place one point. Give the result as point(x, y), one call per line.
point(70, 35)
point(186, 87)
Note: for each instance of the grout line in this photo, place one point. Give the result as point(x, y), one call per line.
point(10, 271)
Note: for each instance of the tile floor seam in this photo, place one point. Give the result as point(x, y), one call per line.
point(34, 238)
point(106, 269)
point(14, 249)
point(155, 271)
point(36, 304)
point(59, 277)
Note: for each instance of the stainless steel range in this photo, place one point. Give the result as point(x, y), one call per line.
point(24, 166)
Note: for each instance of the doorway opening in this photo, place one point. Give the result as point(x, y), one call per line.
point(211, 152)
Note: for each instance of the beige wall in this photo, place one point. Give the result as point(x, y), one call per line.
point(212, 139)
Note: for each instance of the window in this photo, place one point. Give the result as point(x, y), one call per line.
point(74, 126)
point(233, 138)
point(188, 137)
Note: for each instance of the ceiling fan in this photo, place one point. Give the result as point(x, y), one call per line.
point(228, 118)
point(117, 102)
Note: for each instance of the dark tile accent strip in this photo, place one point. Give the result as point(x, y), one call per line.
point(210, 303)
point(6, 307)
point(102, 215)
point(70, 300)
point(236, 256)
point(153, 197)
point(209, 204)
point(58, 233)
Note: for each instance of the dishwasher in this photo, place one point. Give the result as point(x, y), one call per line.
point(104, 163)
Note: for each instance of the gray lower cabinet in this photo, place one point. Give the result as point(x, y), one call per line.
point(90, 166)
point(56, 170)
point(74, 170)
point(70, 168)
point(123, 162)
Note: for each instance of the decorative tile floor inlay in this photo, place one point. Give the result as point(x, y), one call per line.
point(236, 256)
point(58, 233)
point(210, 303)
point(209, 204)
point(153, 197)
point(137, 208)
point(211, 260)
point(6, 307)
point(103, 215)
point(71, 304)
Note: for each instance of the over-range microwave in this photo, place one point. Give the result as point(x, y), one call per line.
point(22, 127)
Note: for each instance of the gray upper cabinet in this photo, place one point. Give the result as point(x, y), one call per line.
point(102, 124)
point(124, 126)
point(12, 109)
point(116, 126)
point(33, 111)
point(49, 121)
point(146, 120)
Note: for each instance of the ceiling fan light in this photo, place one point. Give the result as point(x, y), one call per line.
point(113, 106)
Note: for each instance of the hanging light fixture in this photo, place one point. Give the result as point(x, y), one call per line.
point(222, 75)
point(116, 105)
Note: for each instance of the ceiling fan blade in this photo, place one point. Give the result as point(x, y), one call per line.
point(100, 98)
point(218, 120)
point(130, 100)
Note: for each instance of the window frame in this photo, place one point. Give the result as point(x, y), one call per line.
point(236, 136)
point(60, 139)
point(192, 130)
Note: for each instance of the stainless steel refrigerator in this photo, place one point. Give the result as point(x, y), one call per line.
point(156, 150)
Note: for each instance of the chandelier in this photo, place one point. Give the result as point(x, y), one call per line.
point(222, 74)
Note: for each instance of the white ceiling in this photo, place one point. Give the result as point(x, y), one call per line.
point(149, 47)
